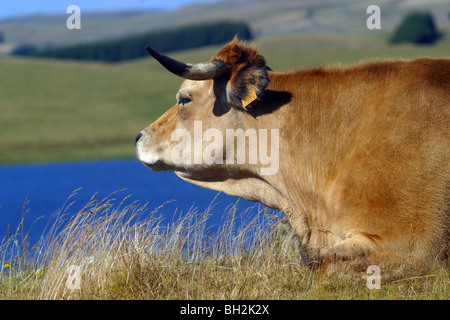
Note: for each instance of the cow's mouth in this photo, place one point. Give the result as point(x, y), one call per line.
point(157, 166)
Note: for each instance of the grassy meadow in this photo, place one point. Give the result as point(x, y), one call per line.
point(64, 110)
point(58, 110)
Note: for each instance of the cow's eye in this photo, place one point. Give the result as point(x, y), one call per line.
point(184, 101)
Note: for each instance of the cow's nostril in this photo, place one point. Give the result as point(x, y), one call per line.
point(138, 137)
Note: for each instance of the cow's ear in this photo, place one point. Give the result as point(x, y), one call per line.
point(247, 85)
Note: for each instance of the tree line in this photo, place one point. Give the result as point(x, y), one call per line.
point(417, 27)
point(131, 47)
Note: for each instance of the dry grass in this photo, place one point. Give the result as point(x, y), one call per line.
point(131, 252)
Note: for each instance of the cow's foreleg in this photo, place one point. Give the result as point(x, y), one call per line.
point(355, 253)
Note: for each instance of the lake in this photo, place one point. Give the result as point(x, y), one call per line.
point(48, 186)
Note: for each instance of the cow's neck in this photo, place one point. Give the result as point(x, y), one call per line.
point(317, 130)
point(315, 116)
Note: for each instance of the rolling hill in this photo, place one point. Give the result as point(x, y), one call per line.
point(267, 18)
point(55, 110)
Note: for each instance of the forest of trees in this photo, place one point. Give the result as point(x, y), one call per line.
point(191, 36)
point(418, 28)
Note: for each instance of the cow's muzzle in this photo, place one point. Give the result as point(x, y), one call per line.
point(146, 152)
point(137, 138)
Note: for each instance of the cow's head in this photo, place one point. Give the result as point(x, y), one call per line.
point(191, 137)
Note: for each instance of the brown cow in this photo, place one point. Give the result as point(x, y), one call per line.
point(359, 155)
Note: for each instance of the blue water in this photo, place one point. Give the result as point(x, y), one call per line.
point(48, 186)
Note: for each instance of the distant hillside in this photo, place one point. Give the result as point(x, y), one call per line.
point(165, 40)
point(265, 17)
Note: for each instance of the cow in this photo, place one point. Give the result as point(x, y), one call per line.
point(363, 171)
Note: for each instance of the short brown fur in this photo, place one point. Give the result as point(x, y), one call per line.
point(364, 174)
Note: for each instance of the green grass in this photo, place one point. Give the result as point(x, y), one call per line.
point(57, 110)
point(60, 111)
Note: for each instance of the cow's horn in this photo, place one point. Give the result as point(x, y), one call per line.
point(197, 71)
